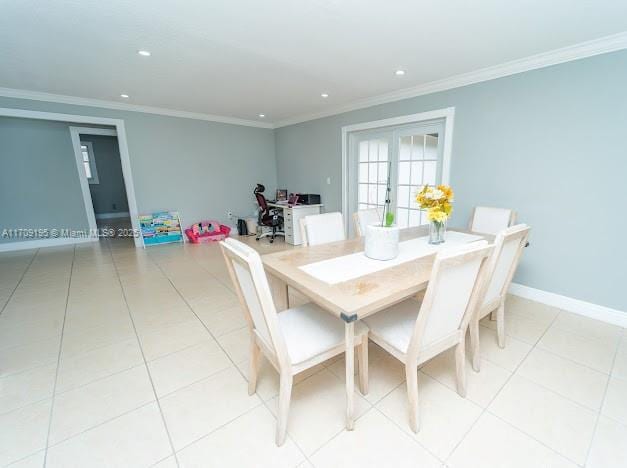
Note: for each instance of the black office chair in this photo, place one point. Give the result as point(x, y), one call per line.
point(268, 216)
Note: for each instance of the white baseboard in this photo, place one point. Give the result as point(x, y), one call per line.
point(40, 243)
point(576, 306)
point(118, 214)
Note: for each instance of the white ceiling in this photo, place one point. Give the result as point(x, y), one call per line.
point(239, 58)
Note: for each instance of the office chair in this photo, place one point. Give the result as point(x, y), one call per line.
point(267, 216)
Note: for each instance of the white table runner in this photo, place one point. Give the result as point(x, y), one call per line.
point(348, 267)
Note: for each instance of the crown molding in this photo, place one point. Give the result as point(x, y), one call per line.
point(79, 101)
point(582, 50)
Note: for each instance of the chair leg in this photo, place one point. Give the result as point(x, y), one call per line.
point(500, 325)
point(411, 375)
point(255, 359)
point(460, 367)
point(285, 395)
point(474, 345)
point(362, 358)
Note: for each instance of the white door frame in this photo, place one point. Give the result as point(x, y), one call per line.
point(120, 131)
point(75, 135)
point(448, 114)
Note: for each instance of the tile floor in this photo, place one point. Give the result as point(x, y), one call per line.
point(112, 356)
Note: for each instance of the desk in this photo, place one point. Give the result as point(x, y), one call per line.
point(354, 299)
point(291, 219)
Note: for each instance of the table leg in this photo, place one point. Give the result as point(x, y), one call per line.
point(279, 293)
point(350, 373)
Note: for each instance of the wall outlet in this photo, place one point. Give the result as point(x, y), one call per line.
point(229, 214)
point(328, 180)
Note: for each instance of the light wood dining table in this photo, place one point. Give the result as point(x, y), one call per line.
point(354, 299)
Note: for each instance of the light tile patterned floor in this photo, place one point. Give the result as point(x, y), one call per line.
point(112, 356)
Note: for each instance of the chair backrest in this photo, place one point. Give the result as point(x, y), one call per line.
point(253, 290)
point(322, 228)
point(508, 247)
point(261, 201)
point(363, 218)
point(454, 290)
point(490, 220)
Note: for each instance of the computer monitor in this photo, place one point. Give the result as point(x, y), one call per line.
point(281, 194)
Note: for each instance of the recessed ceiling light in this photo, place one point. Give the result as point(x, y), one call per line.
point(324, 95)
point(125, 96)
point(399, 72)
point(262, 115)
point(144, 53)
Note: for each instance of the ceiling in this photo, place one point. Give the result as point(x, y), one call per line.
point(240, 58)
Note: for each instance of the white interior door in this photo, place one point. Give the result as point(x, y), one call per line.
point(413, 154)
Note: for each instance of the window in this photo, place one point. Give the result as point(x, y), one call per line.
point(89, 162)
point(413, 156)
point(373, 173)
point(417, 166)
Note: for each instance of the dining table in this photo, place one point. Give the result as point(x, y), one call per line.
point(338, 277)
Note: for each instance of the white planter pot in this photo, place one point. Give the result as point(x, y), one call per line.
point(381, 242)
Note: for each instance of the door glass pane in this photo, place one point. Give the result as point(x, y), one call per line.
point(372, 194)
point(373, 150)
point(431, 147)
point(417, 148)
point(412, 199)
point(430, 169)
point(381, 194)
point(85, 156)
point(363, 173)
point(383, 150)
point(414, 218)
point(383, 173)
point(363, 193)
point(405, 148)
point(372, 172)
point(403, 172)
point(403, 196)
point(402, 217)
point(416, 173)
point(363, 151)
point(87, 170)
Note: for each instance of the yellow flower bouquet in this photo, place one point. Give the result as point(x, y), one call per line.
point(438, 201)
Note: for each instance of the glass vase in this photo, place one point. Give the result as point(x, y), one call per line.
point(437, 229)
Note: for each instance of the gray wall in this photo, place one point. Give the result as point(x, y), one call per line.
point(203, 169)
point(549, 143)
point(39, 185)
point(109, 194)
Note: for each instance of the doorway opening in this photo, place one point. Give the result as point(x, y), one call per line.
point(99, 164)
point(412, 151)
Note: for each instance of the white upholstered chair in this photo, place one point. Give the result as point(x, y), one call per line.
point(487, 220)
point(363, 218)
point(508, 247)
point(293, 340)
point(414, 331)
point(322, 228)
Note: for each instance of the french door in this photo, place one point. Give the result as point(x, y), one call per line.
point(412, 157)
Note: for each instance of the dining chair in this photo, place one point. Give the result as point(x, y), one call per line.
point(415, 331)
point(508, 247)
point(363, 218)
point(322, 228)
point(295, 339)
point(488, 220)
